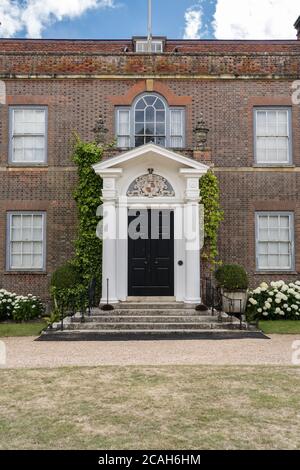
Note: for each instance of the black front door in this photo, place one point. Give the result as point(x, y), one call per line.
point(151, 253)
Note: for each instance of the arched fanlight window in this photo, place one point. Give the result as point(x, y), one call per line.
point(150, 119)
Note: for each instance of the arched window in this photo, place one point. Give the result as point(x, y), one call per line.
point(150, 119)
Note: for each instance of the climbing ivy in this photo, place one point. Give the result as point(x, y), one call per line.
point(213, 215)
point(88, 247)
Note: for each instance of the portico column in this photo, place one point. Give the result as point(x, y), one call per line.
point(109, 243)
point(192, 240)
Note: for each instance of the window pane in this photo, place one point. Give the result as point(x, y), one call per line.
point(139, 129)
point(261, 123)
point(29, 121)
point(124, 142)
point(37, 248)
point(37, 261)
point(176, 142)
point(16, 248)
point(139, 141)
point(159, 105)
point(176, 123)
point(284, 261)
point(160, 116)
point(149, 114)
point(139, 116)
point(160, 129)
point(124, 125)
point(16, 261)
point(141, 105)
point(150, 99)
point(149, 129)
point(26, 261)
point(161, 141)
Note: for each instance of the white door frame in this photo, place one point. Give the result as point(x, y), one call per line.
point(183, 173)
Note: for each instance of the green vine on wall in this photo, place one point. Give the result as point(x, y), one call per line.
point(88, 247)
point(213, 215)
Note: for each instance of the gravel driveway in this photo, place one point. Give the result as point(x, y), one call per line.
point(28, 353)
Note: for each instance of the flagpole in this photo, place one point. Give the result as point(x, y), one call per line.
point(149, 26)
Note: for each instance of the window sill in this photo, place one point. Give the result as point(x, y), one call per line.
point(292, 273)
point(27, 165)
point(271, 165)
point(18, 272)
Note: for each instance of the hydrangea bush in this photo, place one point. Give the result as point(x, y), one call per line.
point(19, 307)
point(275, 301)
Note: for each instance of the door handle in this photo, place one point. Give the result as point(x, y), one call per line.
point(156, 262)
point(145, 263)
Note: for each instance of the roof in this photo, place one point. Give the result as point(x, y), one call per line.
point(117, 46)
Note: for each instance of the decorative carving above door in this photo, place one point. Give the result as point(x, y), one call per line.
point(150, 185)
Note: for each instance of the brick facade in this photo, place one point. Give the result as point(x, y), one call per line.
point(80, 80)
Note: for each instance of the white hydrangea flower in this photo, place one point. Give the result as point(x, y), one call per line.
point(252, 301)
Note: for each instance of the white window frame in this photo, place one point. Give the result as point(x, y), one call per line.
point(9, 267)
point(168, 111)
point(288, 109)
point(291, 241)
point(157, 46)
point(12, 109)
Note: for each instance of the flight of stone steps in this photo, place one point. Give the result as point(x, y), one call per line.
point(152, 320)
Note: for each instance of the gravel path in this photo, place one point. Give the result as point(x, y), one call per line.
point(28, 353)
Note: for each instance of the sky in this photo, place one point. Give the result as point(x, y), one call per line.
point(118, 19)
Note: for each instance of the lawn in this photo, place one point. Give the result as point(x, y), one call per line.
point(21, 329)
point(174, 407)
point(283, 327)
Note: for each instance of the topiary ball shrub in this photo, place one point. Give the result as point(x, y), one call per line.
point(232, 277)
point(66, 277)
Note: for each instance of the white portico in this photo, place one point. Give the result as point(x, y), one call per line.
point(159, 181)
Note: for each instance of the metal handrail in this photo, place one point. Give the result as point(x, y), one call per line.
point(213, 298)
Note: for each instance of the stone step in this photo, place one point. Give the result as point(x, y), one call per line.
point(151, 305)
point(148, 335)
point(148, 319)
point(151, 326)
point(151, 312)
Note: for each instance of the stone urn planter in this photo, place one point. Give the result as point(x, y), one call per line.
point(235, 301)
point(233, 281)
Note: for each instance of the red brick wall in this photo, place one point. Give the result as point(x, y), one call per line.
point(74, 104)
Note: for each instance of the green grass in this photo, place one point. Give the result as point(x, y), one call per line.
point(171, 407)
point(21, 329)
point(283, 327)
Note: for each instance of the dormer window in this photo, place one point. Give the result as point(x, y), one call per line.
point(142, 46)
point(150, 119)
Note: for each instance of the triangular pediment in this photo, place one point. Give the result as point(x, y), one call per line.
point(149, 150)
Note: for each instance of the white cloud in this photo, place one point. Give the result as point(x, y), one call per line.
point(256, 19)
point(35, 15)
point(193, 22)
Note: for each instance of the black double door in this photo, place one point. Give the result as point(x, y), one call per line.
point(151, 253)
